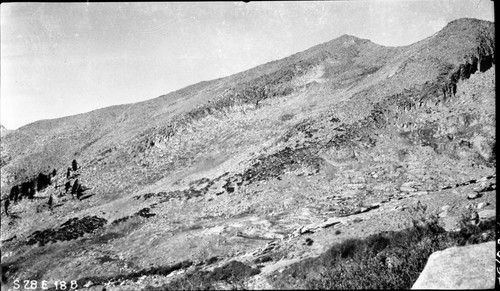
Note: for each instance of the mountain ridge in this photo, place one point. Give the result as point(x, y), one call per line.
point(317, 53)
point(343, 37)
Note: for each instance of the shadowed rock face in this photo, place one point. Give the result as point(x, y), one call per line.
point(469, 267)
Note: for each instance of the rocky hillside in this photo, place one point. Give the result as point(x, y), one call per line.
point(3, 130)
point(331, 143)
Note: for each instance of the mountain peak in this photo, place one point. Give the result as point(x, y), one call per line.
point(348, 38)
point(468, 26)
point(3, 130)
point(345, 40)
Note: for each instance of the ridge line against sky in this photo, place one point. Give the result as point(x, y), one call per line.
point(61, 59)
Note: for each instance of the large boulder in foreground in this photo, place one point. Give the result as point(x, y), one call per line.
point(467, 267)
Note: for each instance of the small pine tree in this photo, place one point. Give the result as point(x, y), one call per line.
point(74, 165)
point(42, 182)
point(54, 173)
point(75, 187)
point(79, 192)
point(51, 201)
point(6, 204)
point(25, 190)
point(32, 191)
point(68, 173)
point(67, 186)
point(14, 192)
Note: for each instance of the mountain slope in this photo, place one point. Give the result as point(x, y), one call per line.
point(258, 154)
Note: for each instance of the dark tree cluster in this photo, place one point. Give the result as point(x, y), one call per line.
point(40, 182)
point(25, 190)
point(77, 188)
point(29, 188)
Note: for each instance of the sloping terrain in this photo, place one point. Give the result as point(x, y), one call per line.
point(327, 144)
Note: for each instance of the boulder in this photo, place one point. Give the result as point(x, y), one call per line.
point(473, 195)
point(409, 184)
point(486, 187)
point(482, 205)
point(331, 221)
point(467, 267)
point(407, 189)
point(487, 214)
point(443, 214)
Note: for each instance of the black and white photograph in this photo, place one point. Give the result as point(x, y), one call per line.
point(248, 145)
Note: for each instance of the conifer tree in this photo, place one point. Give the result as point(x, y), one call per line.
point(25, 190)
point(42, 182)
point(32, 191)
point(51, 201)
point(74, 165)
point(75, 187)
point(79, 192)
point(14, 192)
point(67, 186)
point(6, 205)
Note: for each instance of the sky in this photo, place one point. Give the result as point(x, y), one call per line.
point(60, 59)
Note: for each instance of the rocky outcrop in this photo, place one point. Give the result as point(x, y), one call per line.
point(3, 129)
point(203, 185)
point(145, 212)
point(71, 229)
point(468, 267)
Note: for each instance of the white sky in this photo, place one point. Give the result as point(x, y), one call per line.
point(60, 59)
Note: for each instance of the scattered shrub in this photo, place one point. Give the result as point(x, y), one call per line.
point(390, 260)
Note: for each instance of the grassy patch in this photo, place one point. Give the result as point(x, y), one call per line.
point(390, 260)
point(287, 116)
point(232, 274)
point(162, 271)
